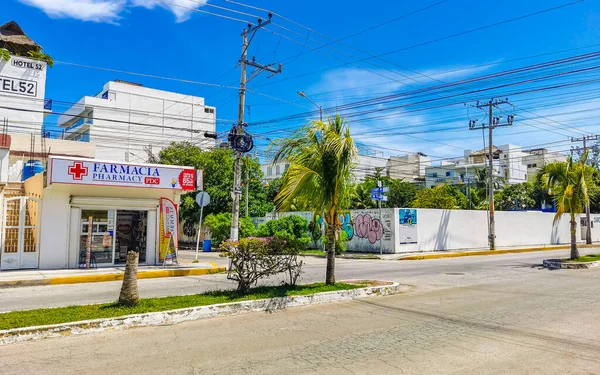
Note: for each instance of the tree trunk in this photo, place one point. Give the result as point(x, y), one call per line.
point(330, 275)
point(574, 251)
point(129, 290)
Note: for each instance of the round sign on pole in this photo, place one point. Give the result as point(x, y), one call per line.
point(203, 199)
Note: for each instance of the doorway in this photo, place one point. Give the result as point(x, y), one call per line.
point(20, 231)
point(131, 234)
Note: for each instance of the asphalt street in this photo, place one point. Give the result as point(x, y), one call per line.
point(481, 315)
point(427, 274)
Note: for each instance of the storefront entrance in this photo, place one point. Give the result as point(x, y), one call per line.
point(132, 229)
point(110, 234)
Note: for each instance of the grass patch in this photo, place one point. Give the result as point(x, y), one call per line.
point(585, 258)
point(313, 252)
point(39, 317)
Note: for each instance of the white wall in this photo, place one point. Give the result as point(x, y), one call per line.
point(439, 230)
point(464, 229)
point(16, 71)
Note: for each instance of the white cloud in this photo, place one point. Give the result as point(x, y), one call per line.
point(182, 9)
point(85, 10)
point(110, 11)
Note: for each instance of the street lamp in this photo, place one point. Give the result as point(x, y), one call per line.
point(302, 94)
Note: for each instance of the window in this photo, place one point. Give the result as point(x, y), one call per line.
point(209, 110)
point(528, 165)
point(534, 165)
point(269, 171)
point(449, 173)
point(277, 170)
point(432, 174)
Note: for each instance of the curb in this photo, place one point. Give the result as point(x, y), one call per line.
point(76, 279)
point(15, 335)
point(491, 252)
point(559, 264)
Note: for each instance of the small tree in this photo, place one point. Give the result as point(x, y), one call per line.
point(253, 259)
point(515, 197)
point(321, 156)
point(436, 197)
point(568, 182)
point(129, 295)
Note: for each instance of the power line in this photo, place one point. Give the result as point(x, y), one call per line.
point(435, 40)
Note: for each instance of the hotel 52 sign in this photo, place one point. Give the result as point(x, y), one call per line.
point(103, 173)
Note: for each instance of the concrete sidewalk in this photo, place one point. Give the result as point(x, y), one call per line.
point(74, 276)
point(478, 252)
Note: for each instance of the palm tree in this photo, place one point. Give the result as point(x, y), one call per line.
point(568, 182)
point(321, 156)
point(129, 295)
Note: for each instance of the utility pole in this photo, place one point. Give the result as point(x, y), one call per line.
point(239, 140)
point(588, 231)
point(492, 123)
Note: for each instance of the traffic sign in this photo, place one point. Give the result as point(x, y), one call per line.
point(379, 197)
point(203, 199)
point(379, 190)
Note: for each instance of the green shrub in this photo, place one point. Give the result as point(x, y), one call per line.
point(292, 228)
point(220, 227)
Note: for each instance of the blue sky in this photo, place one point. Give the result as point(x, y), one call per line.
point(152, 37)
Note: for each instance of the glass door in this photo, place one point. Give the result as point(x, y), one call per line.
point(132, 234)
point(97, 232)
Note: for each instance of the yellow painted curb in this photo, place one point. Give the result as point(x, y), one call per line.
point(490, 252)
point(141, 275)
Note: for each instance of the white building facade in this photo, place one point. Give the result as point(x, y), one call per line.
point(509, 167)
point(129, 122)
point(538, 158)
point(409, 167)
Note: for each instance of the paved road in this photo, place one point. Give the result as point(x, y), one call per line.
point(428, 274)
point(483, 315)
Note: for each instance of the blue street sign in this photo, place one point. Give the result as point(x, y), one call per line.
point(379, 190)
point(379, 197)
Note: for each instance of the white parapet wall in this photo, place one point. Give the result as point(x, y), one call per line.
point(439, 230)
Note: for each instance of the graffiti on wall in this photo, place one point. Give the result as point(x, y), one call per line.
point(346, 223)
point(367, 227)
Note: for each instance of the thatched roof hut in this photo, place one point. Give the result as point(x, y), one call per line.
point(15, 41)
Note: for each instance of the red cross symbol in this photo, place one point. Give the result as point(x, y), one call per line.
point(78, 171)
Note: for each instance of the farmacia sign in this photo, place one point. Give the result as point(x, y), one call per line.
point(95, 172)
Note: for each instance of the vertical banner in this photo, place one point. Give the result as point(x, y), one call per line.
point(408, 225)
point(169, 223)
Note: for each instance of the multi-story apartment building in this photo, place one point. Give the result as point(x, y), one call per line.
point(508, 163)
point(129, 122)
point(538, 158)
point(409, 167)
